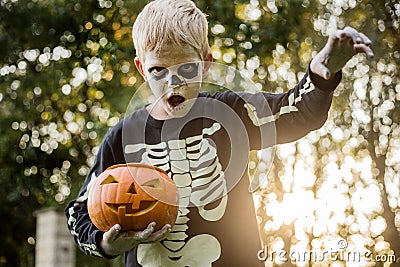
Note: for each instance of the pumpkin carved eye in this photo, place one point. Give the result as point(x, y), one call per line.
point(155, 183)
point(110, 180)
point(132, 189)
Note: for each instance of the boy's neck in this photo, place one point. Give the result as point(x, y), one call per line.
point(157, 112)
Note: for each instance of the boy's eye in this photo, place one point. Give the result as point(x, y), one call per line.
point(158, 72)
point(188, 71)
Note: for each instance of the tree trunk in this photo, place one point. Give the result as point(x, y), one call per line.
point(391, 234)
point(286, 232)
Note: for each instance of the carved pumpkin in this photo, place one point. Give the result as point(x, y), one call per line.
point(133, 195)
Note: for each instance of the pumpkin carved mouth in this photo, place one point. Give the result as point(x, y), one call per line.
point(128, 210)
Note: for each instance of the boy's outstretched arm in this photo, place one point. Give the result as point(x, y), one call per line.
point(305, 107)
point(342, 45)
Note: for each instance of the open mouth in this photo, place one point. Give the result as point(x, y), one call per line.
point(175, 100)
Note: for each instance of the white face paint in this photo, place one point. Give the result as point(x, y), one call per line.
point(174, 76)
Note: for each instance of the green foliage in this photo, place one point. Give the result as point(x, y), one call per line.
point(65, 69)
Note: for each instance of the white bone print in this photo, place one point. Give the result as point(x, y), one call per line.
point(194, 166)
point(200, 251)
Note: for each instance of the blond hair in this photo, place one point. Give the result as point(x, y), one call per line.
point(163, 23)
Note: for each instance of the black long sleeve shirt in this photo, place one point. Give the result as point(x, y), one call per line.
point(206, 154)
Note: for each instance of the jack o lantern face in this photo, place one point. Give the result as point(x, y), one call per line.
point(131, 198)
point(133, 195)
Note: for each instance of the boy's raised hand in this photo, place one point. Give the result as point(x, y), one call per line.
point(116, 242)
point(342, 45)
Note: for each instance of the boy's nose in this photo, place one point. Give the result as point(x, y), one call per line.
point(174, 81)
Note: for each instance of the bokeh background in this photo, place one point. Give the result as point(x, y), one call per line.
point(67, 74)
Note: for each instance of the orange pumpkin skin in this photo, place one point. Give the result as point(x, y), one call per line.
point(133, 195)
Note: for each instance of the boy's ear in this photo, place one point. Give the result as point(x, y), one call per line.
point(139, 67)
point(207, 63)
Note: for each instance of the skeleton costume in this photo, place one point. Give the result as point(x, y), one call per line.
point(205, 153)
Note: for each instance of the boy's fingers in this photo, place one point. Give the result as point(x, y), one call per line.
point(159, 234)
point(112, 234)
point(148, 231)
point(349, 39)
point(365, 39)
point(141, 235)
point(166, 228)
point(363, 48)
point(351, 35)
point(150, 227)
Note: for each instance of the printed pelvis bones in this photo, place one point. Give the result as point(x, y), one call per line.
point(194, 166)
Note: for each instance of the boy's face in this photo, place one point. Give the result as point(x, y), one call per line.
point(174, 75)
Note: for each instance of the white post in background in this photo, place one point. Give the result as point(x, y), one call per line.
point(54, 244)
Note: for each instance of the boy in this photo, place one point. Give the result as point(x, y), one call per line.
point(202, 141)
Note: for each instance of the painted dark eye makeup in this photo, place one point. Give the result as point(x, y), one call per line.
point(189, 70)
point(158, 72)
